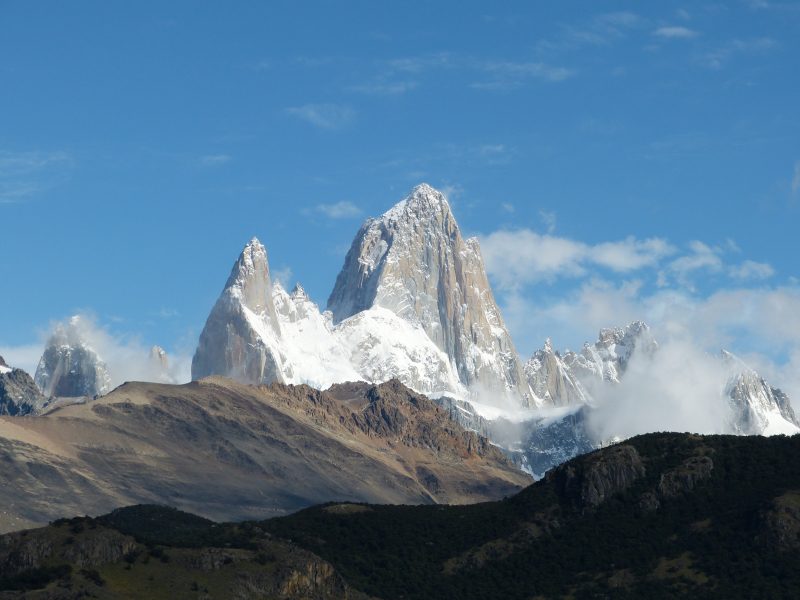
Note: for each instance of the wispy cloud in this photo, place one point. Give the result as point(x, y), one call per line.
point(508, 75)
point(751, 270)
point(538, 257)
point(600, 30)
point(549, 219)
point(214, 160)
point(324, 116)
point(717, 57)
point(25, 174)
point(796, 178)
point(283, 276)
point(675, 32)
point(338, 210)
point(418, 64)
point(385, 88)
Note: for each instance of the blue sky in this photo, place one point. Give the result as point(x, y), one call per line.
point(618, 160)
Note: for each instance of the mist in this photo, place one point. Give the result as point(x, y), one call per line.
point(680, 387)
point(126, 356)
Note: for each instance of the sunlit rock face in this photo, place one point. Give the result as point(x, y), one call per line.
point(414, 262)
point(241, 337)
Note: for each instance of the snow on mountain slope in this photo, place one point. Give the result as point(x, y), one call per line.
point(259, 333)
point(607, 358)
point(314, 354)
point(757, 407)
point(414, 262)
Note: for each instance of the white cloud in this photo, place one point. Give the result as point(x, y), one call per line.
point(549, 218)
point(338, 210)
point(324, 116)
point(519, 257)
point(282, 276)
point(751, 269)
point(719, 56)
point(508, 207)
point(677, 389)
point(508, 75)
point(675, 32)
point(385, 88)
point(214, 160)
point(796, 178)
point(418, 64)
point(701, 257)
point(451, 191)
point(25, 174)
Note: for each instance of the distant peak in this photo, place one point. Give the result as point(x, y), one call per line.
point(548, 345)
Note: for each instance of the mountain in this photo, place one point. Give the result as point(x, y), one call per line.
point(231, 451)
point(241, 337)
point(758, 408)
point(70, 367)
point(551, 380)
point(414, 262)
point(19, 395)
point(658, 516)
point(607, 359)
point(567, 387)
point(423, 313)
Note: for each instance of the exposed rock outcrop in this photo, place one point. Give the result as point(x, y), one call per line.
point(19, 395)
point(589, 482)
point(684, 478)
point(781, 522)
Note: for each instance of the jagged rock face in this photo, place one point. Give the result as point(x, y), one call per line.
point(241, 336)
point(551, 381)
point(757, 407)
point(414, 262)
point(69, 367)
point(607, 358)
point(19, 395)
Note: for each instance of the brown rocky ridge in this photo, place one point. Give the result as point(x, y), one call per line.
point(230, 451)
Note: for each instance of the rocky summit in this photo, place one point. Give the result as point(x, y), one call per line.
point(70, 367)
point(414, 262)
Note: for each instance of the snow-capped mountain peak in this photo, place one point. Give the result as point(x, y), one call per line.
point(414, 262)
point(423, 203)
